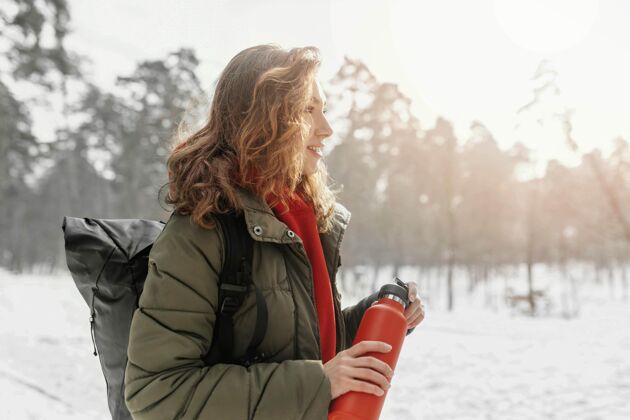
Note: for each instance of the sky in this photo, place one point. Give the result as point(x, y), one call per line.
point(462, 60)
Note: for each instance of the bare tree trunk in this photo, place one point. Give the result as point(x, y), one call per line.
point(575, 296)
point(611, 279)
point(488, 297)
point(531, 237)
point(568, 295)
point(530, 286)
point(470, 269)
point(451, 255)
point(449, 278)
point(598, 279)
point(16, 235)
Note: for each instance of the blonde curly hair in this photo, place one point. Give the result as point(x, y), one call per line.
point(254, 138)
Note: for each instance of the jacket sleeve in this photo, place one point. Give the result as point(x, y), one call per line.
point(172, 330)
point(353, 315)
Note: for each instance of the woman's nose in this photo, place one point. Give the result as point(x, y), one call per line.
point(323, 129)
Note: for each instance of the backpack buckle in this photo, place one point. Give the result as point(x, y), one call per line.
point(233, 295)
point(256, 358)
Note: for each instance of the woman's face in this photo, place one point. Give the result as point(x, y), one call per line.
point(318, 131)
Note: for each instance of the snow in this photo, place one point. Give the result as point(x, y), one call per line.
point(480, 361)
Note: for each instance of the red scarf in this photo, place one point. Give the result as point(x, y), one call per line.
point(301, 219)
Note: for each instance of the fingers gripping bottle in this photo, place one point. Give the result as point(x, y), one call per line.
point(383, 321)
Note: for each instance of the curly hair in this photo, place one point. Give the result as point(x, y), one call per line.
point(253, 138)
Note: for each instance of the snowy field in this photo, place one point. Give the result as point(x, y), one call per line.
point(481, 361)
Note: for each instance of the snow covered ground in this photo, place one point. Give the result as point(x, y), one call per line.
point(480, 361)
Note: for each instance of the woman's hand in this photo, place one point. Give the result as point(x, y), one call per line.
point(350, 371)
point(415, 311)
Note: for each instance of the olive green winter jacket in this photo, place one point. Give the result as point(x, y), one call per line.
point(172, 329)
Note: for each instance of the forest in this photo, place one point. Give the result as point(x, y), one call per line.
point(420, 196)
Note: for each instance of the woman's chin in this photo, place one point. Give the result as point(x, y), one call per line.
point(309, 171)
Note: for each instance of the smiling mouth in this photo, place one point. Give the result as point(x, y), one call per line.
point(316, 150)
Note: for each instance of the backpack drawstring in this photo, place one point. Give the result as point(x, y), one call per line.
point(92, 331)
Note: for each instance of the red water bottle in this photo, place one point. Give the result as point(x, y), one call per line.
point(383, 321)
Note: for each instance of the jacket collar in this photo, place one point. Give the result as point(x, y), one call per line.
point(263, 225)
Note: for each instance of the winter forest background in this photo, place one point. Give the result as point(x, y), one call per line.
point(498, 247)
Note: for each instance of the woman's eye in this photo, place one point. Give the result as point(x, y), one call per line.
point(310, 109)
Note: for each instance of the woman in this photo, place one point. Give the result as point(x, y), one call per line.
point(263, 138)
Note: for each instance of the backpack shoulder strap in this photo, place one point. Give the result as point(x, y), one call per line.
point(235, 282)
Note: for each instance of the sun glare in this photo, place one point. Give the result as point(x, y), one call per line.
point(546, 26)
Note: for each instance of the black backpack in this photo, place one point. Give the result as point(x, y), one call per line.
point(108, 260)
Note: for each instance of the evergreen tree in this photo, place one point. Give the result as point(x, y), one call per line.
point(157, 95)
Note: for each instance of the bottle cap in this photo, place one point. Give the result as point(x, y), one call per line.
point(397, 291)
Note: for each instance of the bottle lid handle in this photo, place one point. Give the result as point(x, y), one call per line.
point(399, 289)
point(401, 283)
